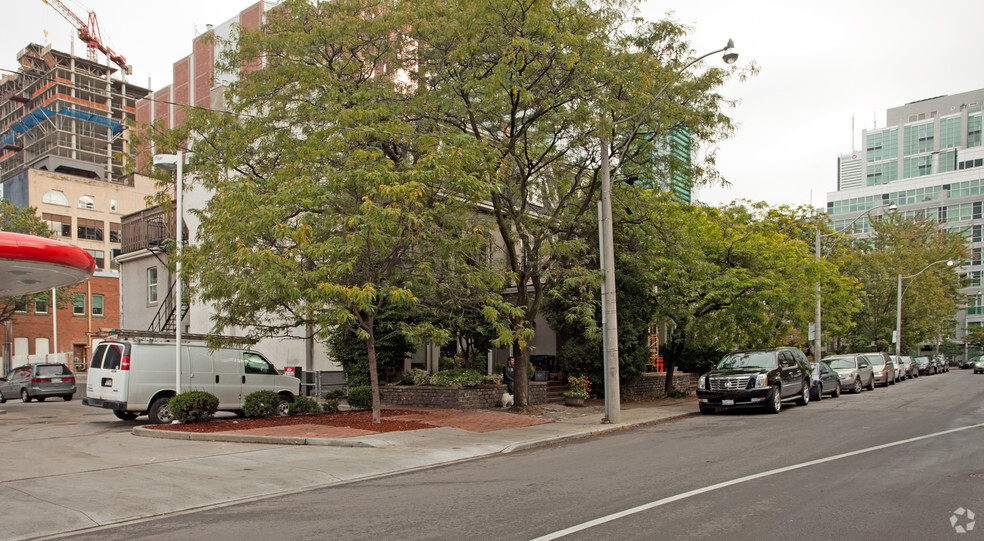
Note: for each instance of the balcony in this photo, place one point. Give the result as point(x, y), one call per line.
point(148, 230)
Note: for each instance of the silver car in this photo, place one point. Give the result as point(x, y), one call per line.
point(854, 371)
point(37, 382)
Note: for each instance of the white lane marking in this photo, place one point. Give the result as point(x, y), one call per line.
point(684, 495)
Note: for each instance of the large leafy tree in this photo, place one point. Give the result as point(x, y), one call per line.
point(333, 205)
point(535, 83)
point(915, 248)
point(19, 220)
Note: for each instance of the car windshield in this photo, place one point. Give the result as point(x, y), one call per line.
point(876, 359)
point(749, 359)
point(842, 362)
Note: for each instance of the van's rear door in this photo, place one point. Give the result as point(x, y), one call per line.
point(107, 379)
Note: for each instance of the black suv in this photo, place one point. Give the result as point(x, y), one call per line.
point(756, 378)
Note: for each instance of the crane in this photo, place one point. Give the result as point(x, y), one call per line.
point(89, 33)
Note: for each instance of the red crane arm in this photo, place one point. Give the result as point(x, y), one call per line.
point(89, 33)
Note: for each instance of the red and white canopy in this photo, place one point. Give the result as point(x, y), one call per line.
point(30, 264)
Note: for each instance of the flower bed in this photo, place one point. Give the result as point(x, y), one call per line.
point(473, 397)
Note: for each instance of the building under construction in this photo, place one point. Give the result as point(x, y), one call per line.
point(66, 114)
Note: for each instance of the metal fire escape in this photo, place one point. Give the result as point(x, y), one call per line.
point(158, 232)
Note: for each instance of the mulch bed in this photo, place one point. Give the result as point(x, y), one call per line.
point(348, 419)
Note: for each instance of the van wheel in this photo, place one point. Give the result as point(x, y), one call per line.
point(124, 415)
point(284, 405)
point(160, 411)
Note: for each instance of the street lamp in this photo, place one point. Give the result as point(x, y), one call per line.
point(898, 304)
point(174, 162)
point(817, 336)
point(610, 323)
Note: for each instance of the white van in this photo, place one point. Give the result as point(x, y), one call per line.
point(135, 376)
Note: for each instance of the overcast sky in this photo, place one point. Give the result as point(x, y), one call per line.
point(823, 66)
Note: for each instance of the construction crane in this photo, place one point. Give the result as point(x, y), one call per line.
point(89, 33)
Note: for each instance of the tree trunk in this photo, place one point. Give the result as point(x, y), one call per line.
point(521, 386)
point(677, 343)
point(373, 375)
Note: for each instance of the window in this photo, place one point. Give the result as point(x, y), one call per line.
point(974, 131)
point(90, 229)
point(152, 285)
point(917, 167)
point(883, 145)
point(60, 226)
point(99, 256)
point(41, 304)
point(97, 305)
point(55, 197)
point(918, 139)
point(113, 254)
point(948, 161)
point(114, 232)
point(256, 364)
point(949, 132)
point(87, 202)
point(113, 205)
point(20, 305)
point(78, 304)
point(42, 347)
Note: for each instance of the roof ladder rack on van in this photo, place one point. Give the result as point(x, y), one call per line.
point(131, 334)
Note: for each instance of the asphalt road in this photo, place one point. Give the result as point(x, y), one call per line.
point(893, 463)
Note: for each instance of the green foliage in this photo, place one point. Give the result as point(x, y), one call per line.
point(334, 394)
point(261, 404)
point(193, 406)
point(330, 405)
point(458, 377)
point(492, 379)
point(303, 405)
point(360, 398)
point(351, 351)
point(419, 377)
point(578, 387)
point(677, 393)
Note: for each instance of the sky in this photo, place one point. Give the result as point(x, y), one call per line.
point(828, 69)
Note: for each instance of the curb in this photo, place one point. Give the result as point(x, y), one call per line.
point(248, 438)
point(352, 442)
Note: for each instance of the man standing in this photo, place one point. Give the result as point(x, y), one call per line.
point(509, 373)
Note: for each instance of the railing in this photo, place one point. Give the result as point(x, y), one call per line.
point(164, 320)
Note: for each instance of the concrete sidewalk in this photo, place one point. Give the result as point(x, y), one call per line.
point(118, 478)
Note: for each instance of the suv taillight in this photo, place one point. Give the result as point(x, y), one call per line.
point(125, 363)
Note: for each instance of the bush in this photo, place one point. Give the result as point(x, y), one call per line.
point(678, 393)
point(360, 398)
point(193, 406)
point(459, 377)
point(330, 405)
point(420, 377)
point(261, 404)
point(334, 394)
point(303, 405)
point(492, 379)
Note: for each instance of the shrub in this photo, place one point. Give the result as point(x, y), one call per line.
point(458, 377)
point(578, 387)
point(193, 406)
point(360, 398)
point(678, 393)
point(334, 394)
point(492, 379)
point(420, 377)
point(261, 404)
point(330, 405)
point(303, 405)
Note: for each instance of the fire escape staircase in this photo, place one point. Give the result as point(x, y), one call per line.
point(165, 320)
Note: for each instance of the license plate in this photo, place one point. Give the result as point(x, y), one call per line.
point(727, 402)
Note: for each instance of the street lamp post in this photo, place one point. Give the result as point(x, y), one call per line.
point(817, 335)
point(174, 162)
point(898, 304)
point(613, 412)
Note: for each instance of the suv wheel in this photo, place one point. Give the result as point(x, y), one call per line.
point(804, 397)
point(774, 405)
point(24, 396)
point(857, 386)
point(837, 390)
point(871, 384)
point(160, 411)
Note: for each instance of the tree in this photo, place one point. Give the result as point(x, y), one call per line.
point(19, 220)
point(535, 83)
point(915, 248)
point(333, 205)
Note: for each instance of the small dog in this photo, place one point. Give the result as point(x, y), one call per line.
point(507, 400)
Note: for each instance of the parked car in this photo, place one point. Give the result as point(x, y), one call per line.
point(924, 365)
point(903, 367)
point(968, 363)
point(910, 367)
point(38, 382)
point(825, 381)
point(854, 371)
point(883, 367)
point(944, 365)
point(136, 377)
point(756, 378)
point(979, 366)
